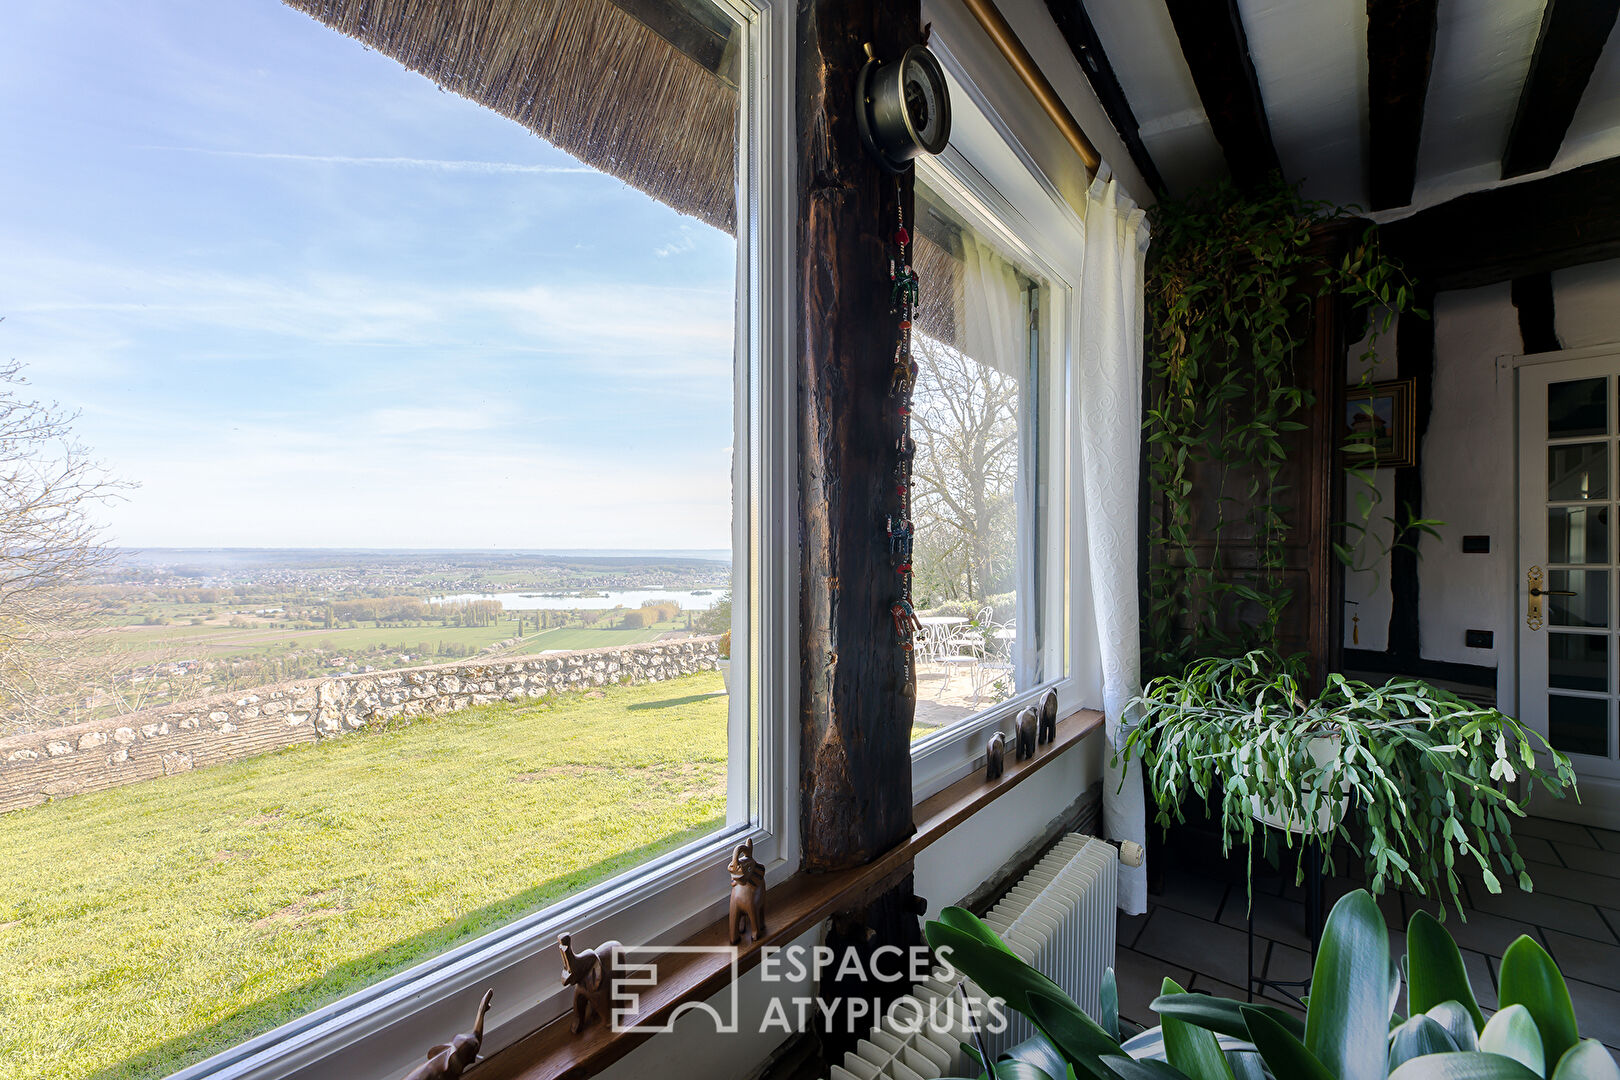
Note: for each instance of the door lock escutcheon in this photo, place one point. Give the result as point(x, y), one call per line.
point(1533, 578)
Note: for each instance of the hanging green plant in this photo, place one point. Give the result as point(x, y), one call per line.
point(1229, 287)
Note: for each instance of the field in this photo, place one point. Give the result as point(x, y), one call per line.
point(144, 928)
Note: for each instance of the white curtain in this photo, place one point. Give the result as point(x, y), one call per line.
point(991, 315)
point(1109, 422)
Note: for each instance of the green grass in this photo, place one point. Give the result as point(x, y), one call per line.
point(144, 928)
point(580, 637)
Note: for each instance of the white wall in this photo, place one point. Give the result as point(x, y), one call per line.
point(1469, 466)
point(1468, 477)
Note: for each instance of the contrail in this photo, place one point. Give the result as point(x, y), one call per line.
point(441, 164)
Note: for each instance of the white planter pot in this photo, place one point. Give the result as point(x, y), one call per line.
point(1329, 812)
point(725, 672)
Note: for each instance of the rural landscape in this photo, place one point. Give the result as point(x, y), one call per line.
point(165, 625)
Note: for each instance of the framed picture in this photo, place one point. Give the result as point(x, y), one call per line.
point(1380, 425)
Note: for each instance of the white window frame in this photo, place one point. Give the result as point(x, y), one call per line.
point(994, 182)
point(385, 1029)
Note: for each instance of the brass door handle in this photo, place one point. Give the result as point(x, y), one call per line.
point(1533, 578)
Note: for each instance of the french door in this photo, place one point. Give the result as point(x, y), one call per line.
point(1568, 577)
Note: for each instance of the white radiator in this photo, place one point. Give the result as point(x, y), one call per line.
point(1060, 918)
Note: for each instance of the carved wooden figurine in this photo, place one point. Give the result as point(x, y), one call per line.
point(1048, 727)
point(995, 756)
point(591, 973)
point(449, 1060)
point(747, 893)
point(1025, 746)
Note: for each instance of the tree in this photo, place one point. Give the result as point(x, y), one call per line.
point(717, 619)
point(50, 544)
point(965, 475)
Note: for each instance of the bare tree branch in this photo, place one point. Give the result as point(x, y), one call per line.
point(49, 545)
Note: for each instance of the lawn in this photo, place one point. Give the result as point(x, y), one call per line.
point(144, 928)
point(581, 637)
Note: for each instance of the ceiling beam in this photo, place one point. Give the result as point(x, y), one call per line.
point(1568, 219)
point(1567, 48)
point(1400, 54)
point(1075, 26)
point(1217, 54)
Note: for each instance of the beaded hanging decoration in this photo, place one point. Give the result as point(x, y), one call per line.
point(903, 304)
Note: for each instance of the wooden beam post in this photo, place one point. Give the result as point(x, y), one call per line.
point(1567, 49)
point(855, 716)
point(1414, 345)
point(1217, 53)
point(1532, 294)
point(1400, 54)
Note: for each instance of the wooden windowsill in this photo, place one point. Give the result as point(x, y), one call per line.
point(794, 907)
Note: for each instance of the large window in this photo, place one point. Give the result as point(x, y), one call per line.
point(988, 417)
point(412, 472)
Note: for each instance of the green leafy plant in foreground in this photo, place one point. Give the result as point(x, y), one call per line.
point(1353, 1029)
point(1424, 773)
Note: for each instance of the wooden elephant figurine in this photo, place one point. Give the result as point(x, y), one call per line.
point(747, 893)
point(1027, 722)
point(1048, 725)
point(995, 756)
point(592, 974)
point(449, 1060)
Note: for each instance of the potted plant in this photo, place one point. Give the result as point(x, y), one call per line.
point(1413, 779)
point(1352, 1030)
point(724, 663)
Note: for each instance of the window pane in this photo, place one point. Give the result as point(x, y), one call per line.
point(1578, 534)
point(414, 407)
point(1578, 725)
point(1579, 407)
point(977, 408)
point(1578, 661)
point(1578, 472)
point(1587, 603)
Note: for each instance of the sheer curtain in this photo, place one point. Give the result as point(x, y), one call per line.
point(1109, 423)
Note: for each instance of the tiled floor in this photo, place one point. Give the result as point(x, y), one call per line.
point(1195, 931)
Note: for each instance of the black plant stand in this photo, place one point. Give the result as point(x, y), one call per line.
point(1313, 930)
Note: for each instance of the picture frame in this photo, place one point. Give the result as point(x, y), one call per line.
point(1382, 415)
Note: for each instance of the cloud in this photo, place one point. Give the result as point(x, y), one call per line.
point(437, 164)
point(679, 246)
point(64, 308)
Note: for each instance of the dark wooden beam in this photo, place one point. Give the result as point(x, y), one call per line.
point(855, 713)
point(1217, 53)
point(1075, 26)
point(1414, 345)
point(1400, 54)
point(1532, 294)
point(1567, 48)
point(1485, 237)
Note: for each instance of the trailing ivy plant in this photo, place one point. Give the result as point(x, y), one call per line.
point(1231, 279)
point(1423, 774)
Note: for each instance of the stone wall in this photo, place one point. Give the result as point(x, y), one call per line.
point(99, 754)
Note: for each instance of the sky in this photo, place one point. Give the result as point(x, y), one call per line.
point(302, 297)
